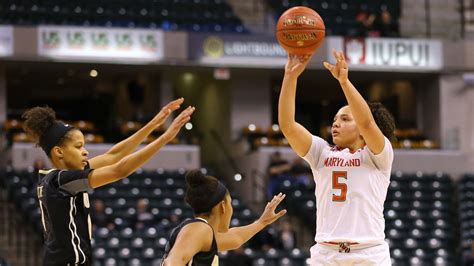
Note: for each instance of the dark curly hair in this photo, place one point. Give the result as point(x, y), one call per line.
point(200, 189)
point(37, 121)
point(384, 119)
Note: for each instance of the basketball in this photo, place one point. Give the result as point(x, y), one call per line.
point(300, 30)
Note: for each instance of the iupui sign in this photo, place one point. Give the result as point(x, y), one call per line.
point(396, 54)
point(236, 50)
point(6, 40)
point(100, 44)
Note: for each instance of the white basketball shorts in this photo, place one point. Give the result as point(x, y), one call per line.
point(322, 255)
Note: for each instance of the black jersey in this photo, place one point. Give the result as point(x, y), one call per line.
point(64, 205)
point(208, 258)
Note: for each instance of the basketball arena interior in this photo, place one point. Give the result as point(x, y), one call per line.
point(108, 66)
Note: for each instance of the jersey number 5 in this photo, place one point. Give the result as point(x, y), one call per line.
point(336, 185)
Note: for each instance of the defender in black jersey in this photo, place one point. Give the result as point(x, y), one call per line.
point(195, 242)
point(62, 191)
point(64, 205)
point(203, 257)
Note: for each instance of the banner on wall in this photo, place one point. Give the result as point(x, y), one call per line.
point(6, 40)
point(237, 50)
point(396, 54)
point(100, 44)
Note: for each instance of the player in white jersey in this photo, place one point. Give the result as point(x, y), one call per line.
point(352, 177)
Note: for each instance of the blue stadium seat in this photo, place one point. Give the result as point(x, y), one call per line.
point(133, 14)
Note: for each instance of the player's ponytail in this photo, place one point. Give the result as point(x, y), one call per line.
point(384, 119)
point(203, 192)
point(42, 126)
point(37, 121)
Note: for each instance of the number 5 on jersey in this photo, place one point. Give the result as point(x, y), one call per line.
point(336, 175)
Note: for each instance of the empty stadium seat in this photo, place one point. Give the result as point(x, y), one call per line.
point(199, 16)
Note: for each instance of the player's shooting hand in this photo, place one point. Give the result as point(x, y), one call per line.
point(296, 64)
point(165, 112)
point(178, 123)
point(269, 216)
point(340, 70)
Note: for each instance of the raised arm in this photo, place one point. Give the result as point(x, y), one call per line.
point(130, 163)
point(127, 146)
point(364, 119)
point(298, 136)
point(237, 236)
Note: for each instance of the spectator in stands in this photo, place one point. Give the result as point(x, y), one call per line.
point(199, 239)
point(386, 26)
point(287, 236)
point(144, 217)
point(278, 171)
point(468, 260)
point(301, 173)
point(99, 217)
point(366, 23)
point(352, 176)
point(62, 191)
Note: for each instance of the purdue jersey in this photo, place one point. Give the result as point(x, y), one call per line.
point(64, 205)
point(351, 188)
point(208, 258)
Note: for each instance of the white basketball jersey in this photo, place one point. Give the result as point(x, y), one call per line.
point(350, 192)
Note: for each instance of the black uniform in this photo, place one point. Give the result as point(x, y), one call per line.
point(208, 258)
point(64, 205)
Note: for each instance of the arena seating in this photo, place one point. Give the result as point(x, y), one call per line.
point(126, 244)
point(257, 136)
point(420, 220)
point(466, 212)
point(187, 15)
point(409, 138)
point(419, 213)
point(341, 16)
point(15, 133)
point(300, 201)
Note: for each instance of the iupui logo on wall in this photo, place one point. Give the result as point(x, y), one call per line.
point(100, 44)
point(354, 50)
point(380, 53)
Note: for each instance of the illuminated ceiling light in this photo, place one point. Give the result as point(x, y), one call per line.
point(237, 177)
point(93, 73)
point(188, 126)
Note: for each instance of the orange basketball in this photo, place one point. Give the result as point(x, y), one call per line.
point(300, 30)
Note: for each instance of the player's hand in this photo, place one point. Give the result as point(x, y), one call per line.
point(178, 123)
point(269, 216)
point(340, 71)
point(296, 64)
point(165, 112)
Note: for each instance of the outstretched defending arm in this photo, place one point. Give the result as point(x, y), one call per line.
point(127, 146)
point(237, 236)
point(132, 162)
